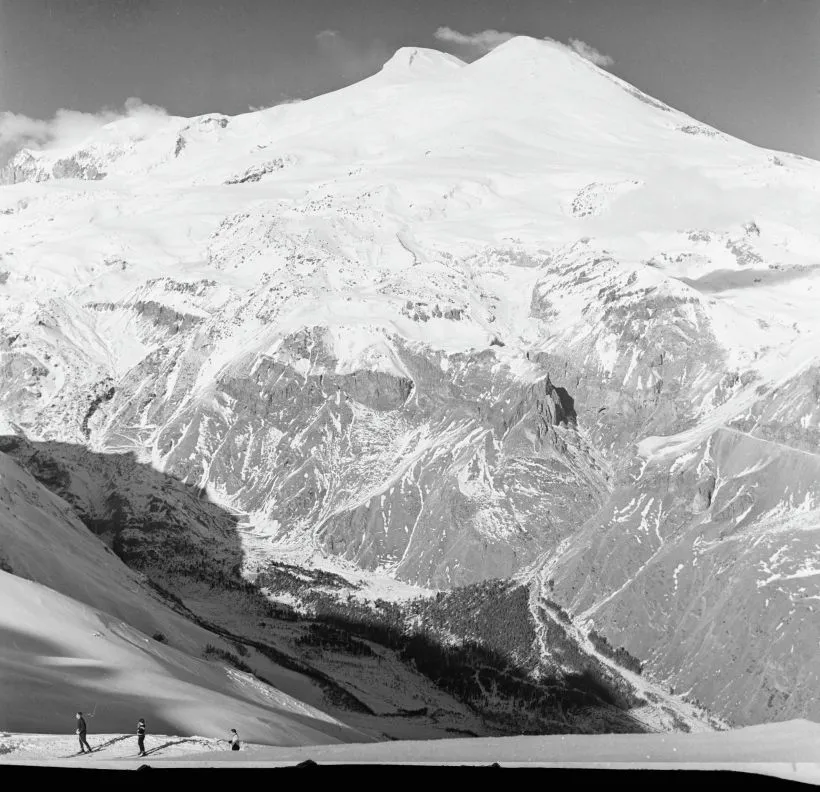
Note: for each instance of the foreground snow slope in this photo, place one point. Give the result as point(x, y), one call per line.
point(57, 656)
point(787, 750)
point(18, 748)
point(85, 637)
point(793, 741)
point(453, 322)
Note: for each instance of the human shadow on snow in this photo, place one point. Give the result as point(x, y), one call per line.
point(39, 696)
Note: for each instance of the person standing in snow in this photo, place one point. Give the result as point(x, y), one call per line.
point(81, 730)
point(141, 736)
point(234, 740)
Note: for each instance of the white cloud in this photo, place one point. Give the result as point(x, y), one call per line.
point(590, 53)
point(487, 40)
point(283, 100)
point(67, 128)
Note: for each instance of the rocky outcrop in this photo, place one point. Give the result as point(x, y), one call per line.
point(78, 167)
point(165, 318)
point(103, 392)
point(376, 390)
point(703, 495)
point(26, 167)
point(258, 172)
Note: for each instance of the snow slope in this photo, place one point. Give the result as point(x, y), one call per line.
point(791, 742)
point(57, 657)
point(55, 749)
point(786, 750)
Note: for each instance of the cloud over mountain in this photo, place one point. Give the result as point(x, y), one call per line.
point(484, 41)
point(590, 53)
point(67, 128)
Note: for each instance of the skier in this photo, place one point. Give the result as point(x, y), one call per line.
point(81, 730)
point(141, 736)
point(234, 740)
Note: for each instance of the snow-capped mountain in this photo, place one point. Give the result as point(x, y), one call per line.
point(450, 323)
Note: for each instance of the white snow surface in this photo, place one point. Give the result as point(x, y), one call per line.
point(397, 186)
point(786, 750)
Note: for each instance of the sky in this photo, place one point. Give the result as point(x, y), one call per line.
point(748, 67)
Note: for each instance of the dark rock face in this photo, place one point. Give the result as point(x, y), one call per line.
point(703, 495)
point(376, 390)
point(258, 172)
point(164, 317)
point(103, 392)
point(138, 514)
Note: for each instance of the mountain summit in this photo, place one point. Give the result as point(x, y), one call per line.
point(423, 63)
